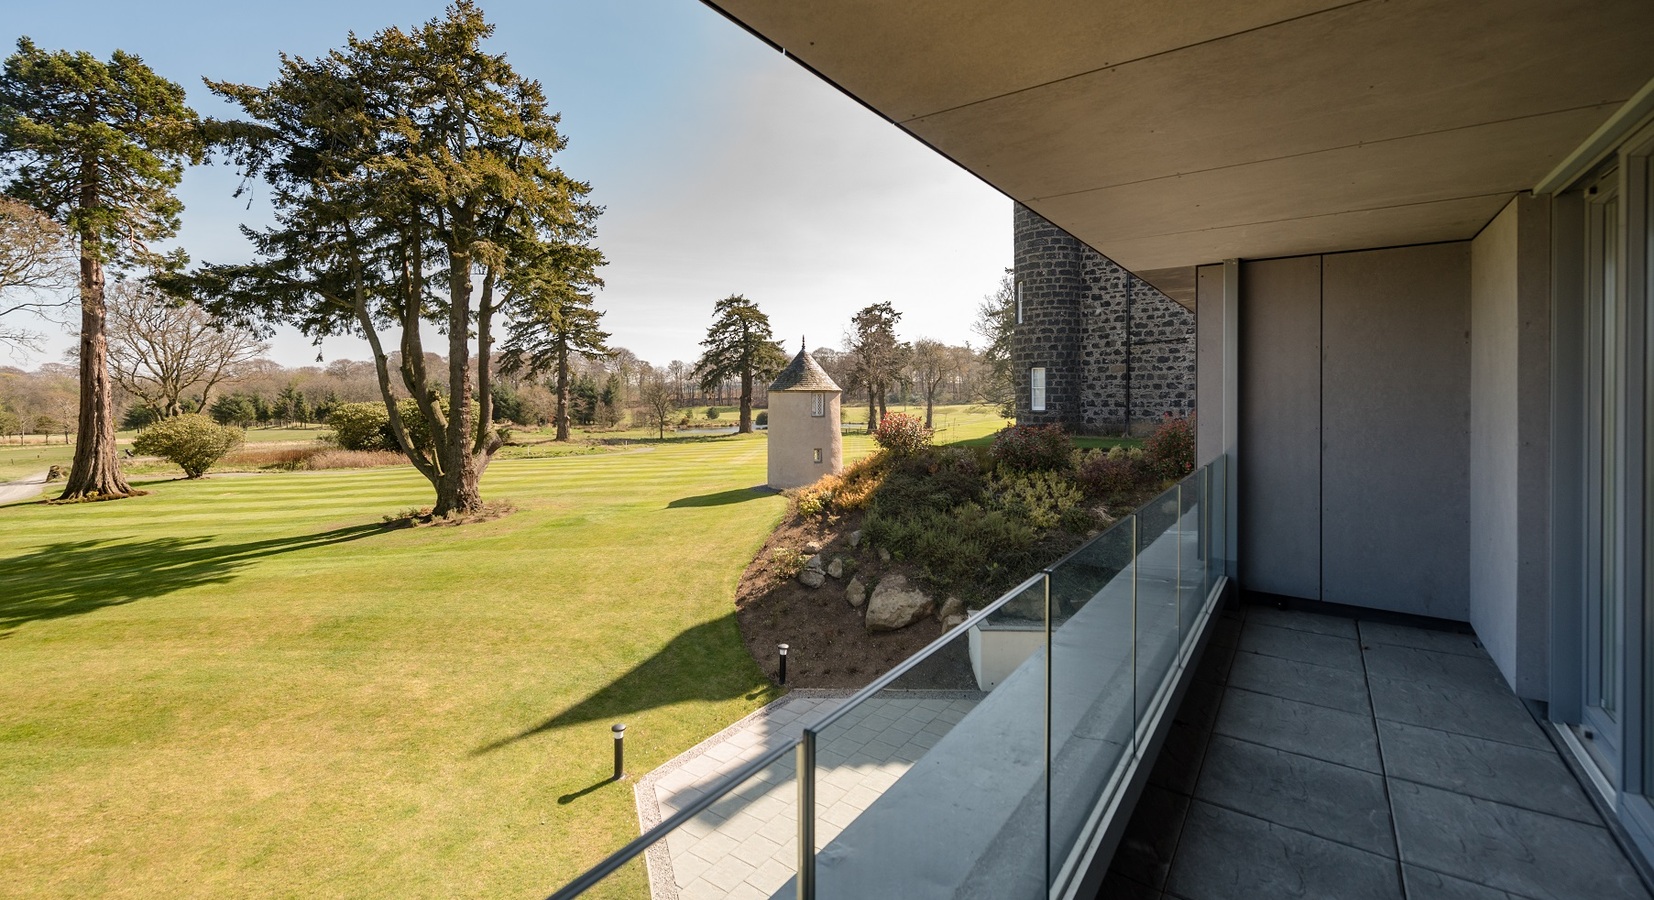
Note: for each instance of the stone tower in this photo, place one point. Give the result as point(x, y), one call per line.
point(1113, 351)
point(805, 439)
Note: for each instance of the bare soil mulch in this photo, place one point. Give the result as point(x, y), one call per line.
point(829, 646)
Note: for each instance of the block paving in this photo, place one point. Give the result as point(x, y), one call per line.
point(745, 846)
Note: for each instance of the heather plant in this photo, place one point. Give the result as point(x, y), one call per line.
point(1104, 475)
point(902, 435)
point(1044, 499)
point(847, 491)
point(191, 441)
point(1033, 448)
point(787, 562)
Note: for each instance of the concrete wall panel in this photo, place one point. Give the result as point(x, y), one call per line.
point(1395, 503)
point(1493, 443)
point(1510, 443)
point(1280, 429)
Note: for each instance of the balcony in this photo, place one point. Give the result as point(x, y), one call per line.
point(1106, 726)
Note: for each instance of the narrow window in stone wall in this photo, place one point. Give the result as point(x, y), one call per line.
point(1036, 389)
point(818, 406)
point(818, 454)
point(1019, 303)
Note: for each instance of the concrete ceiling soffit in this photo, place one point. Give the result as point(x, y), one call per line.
point(1356, 74)
point(1443, 220)
point(918, 57)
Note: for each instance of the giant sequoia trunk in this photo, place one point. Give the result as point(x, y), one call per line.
point(95, 473)
point(562, 394)
point(746, 403)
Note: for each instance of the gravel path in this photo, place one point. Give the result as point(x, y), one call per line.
point(23, 488)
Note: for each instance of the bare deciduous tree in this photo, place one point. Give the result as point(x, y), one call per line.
point(37, 267)
point(659, 402)
point(161, 351)
point(933, 362)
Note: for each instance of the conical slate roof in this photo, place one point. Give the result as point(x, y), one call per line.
point(803, 374)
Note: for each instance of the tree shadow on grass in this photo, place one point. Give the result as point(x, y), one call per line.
point(722, 498)
point(707, 662)
point(69, 578)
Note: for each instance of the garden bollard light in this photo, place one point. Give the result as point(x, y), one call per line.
point(620, 751)
point(783, 649)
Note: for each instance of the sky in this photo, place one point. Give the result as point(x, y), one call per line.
point(723, 167)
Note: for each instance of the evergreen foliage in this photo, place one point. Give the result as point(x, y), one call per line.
point(739, 344)
point(191, 441)
point(99, 147)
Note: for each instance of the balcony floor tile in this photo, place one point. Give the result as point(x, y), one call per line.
point(1396, 765)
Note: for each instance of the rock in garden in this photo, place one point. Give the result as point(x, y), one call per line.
point(812, 546)
point(855, 538)
point(896, 604)
point(953, 606)
point(855, 592)
point(812, 578)
point(952, 622)
point(835, 569)
point(884, 555)
point(813, 562)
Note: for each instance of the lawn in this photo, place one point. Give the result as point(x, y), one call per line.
point(245, 686)
point(21, 461)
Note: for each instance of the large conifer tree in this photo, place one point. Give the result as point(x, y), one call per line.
point(406, 170)
point(99, 147)
point(739, 344)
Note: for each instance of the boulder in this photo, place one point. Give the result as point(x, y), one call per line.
point(812, 578)
point(884, 555)
point(952, 622)
point(855, 592)
point(814, 562)
point(953, 606)
point(835, 569)
point(855, 538)
point(896, 604)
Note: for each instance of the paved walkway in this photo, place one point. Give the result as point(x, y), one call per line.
point(23, 488)
point(1325, 757)
point(745, 846)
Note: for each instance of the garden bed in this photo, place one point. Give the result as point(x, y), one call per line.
point(962, 524)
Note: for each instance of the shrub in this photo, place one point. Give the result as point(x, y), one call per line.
point(968, 550)
point(1033, 448)
point(763, 418)
point(902, 434)
point(787, 562)
point(711, 412)
point(1042, 498)
point(1104, 475)
point(1170, 451)
point(191, 441)
point(359, 426)
point(847, 491)
point(366, 426)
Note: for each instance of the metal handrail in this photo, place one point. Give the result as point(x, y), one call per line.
point(720, 789)
point(884, 681)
